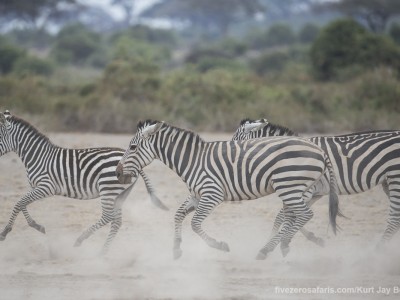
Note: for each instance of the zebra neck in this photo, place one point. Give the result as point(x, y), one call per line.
point(30, 145)
point(179, 149)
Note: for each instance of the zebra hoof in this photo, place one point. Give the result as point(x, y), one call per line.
point(223, 247)
point(320, 242)
point(285, 251)
point(78, 243)
point(261, 255)
point(2, 237)
point(177, 253)
point(41, 229)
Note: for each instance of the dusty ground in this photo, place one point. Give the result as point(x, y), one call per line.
point(140, 265)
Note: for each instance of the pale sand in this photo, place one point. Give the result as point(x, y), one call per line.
point(140, 265)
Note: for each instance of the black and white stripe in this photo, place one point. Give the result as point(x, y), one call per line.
point(360, 161)
point(231, 171)
point(75, 173)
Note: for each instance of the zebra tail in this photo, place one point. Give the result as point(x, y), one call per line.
point(334, 210)
point(154, 199)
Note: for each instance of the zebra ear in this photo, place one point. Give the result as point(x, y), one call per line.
point(254, 126)
point(152, 129)
point(7, 114)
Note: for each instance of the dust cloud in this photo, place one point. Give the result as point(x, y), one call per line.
point(139, 264)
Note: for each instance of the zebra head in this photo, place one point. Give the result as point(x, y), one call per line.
point(140, 152)
point(6, 144)
point(248, 128)
point(251, 129)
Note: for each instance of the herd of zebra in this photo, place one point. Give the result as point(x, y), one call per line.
point(262, 158)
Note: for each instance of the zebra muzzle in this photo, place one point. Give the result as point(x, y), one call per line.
point(122, 178)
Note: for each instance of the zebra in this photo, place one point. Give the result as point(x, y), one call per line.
point(231, 171)
point(360, 161)
point(74, 173)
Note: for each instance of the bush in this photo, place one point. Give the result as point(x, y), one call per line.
point(74, 44)
point(345, 43)
point(276, 35)
point(9, 55)
point(336, 47)
point(394, 33)
point(280, 35)
point(127, 48)
point(308, 33)
point(269, 62)
point(32, 65)
point(31, 38)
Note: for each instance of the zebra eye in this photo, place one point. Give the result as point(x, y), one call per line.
point(133, 147)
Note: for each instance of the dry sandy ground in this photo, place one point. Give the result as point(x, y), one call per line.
point(140, 265)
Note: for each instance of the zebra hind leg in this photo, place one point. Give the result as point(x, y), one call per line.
point(186, 208)
point(392, 188)
point(21, 205)
point(288, 219)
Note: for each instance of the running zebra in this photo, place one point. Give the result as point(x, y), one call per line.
point(360, 160)
point(74, 173)
point(231, 171)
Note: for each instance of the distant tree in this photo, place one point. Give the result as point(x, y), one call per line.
point(74, 44)
point(128, 7)
point(35, 12)
point(208, 15)
point(308, 33)
point(345, 43)
point(374, 13)
point(394, 32)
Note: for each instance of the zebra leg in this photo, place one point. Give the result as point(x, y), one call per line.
point(393, 223)
point(106, 217)
point(35, 194)
point(288, 218)
point(156, 201)
point(279, 219)
point(187, 207)
point(309, 234)
point(205, 207)
point(303, 215)
point(115, 226)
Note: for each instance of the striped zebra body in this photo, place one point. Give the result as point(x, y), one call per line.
point(231, 171)
point(74, 173)
point(360, 161)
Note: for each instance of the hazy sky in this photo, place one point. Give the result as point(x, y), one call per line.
point(115, 11)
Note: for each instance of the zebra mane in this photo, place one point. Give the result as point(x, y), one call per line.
point(29, 126)
point(281, 129)
point(272, 128)
point(148, 122)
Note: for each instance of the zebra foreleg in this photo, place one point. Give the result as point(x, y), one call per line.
point(186, 208)
point(106, 217)
point(115, 226)
point(21, 205)
point(203, 210)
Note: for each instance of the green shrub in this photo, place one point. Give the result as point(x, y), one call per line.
point(308, 33)
point(279, 35)
point(394, 33)
point(127, 48)
point(345, 43)
point(29, 65)
point(336, 47)
point(9, 55)
point(269, 62)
